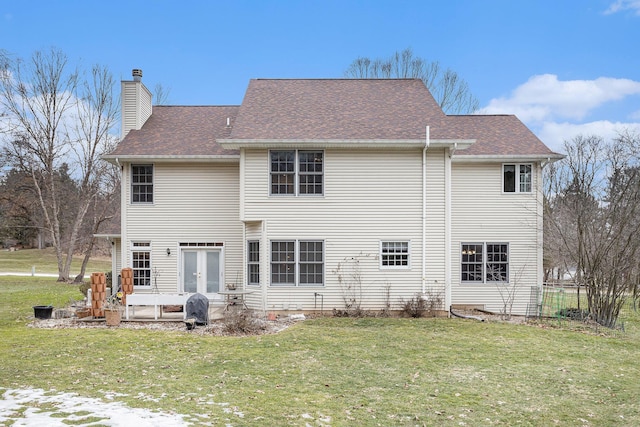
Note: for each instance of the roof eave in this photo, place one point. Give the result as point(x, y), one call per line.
point(115, 159)
point(108, 235)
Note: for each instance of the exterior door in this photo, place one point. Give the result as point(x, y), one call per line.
point(201, 270)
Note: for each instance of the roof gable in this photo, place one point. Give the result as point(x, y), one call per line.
point(347, 109)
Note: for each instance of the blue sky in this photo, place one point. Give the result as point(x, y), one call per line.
point(565, 67)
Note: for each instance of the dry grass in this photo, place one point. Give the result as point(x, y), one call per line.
point(333, 371)
point(44, 261)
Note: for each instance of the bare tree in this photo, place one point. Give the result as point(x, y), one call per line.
point(593, 209)
point(450, 91)
point(104, 207)
point(352, 283)
point(161, 94)
point(54, 114)
point(507, 287)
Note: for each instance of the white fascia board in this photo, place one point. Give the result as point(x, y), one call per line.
point(341, 143)
point(489, 158)
point(457, 144)
point(172, 159)
point(108, 236)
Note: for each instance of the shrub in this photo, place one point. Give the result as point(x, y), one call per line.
point(84, 288)
point(415, 307)
point(241, 322)
point(351, 312)
point(422, 304)
point(573, 314)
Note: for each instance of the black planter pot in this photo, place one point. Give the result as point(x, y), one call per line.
point(42, 311)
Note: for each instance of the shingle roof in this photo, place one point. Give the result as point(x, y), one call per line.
point(325, 109)
point(180, 131)
point(335, 109)
point(495, 135)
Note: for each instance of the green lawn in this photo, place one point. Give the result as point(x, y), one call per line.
point(44, 261)
point(332, 371)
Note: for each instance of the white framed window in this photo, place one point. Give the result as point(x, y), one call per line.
point(395, 254)
point(141, 263)
point(497, 263)
point(311, 263)
point(516, 177)
point(297, 263)
point(253, 262)
point(141, 183)
point(296, 172)
point(484, 262)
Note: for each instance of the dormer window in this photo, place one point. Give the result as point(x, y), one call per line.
point(516, 178)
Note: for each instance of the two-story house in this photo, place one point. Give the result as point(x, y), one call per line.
point(325, 192)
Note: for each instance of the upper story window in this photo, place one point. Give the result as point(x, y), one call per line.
point(296, 172)
point(141, 183)
point(516, 178)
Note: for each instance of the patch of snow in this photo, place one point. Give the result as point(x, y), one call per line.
point(22, 407)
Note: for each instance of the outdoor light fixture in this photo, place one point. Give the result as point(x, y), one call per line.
point(168, 251)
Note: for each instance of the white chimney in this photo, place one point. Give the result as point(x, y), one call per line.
point(135, 103)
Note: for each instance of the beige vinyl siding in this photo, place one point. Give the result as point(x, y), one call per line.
point(117, 257)
point(369, 196)
point(435, 213)
point(481, 212)
point(129, 107)
point(135, 105)
point(195, 202)
point(255, 231)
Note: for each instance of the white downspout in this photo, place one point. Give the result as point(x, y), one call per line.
point(123, 215)
point(264, 265)
point(424, 212)
point(447, 228)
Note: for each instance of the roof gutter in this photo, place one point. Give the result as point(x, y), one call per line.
point(490, 158)
point(549, 160)
point(116, 159)
point(342, 143)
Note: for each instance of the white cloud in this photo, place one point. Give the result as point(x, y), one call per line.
point(555, 110)
point(545, 98)
point(554, 134)
point(620, 5)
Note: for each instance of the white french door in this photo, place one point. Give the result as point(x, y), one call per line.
point(202, 270)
